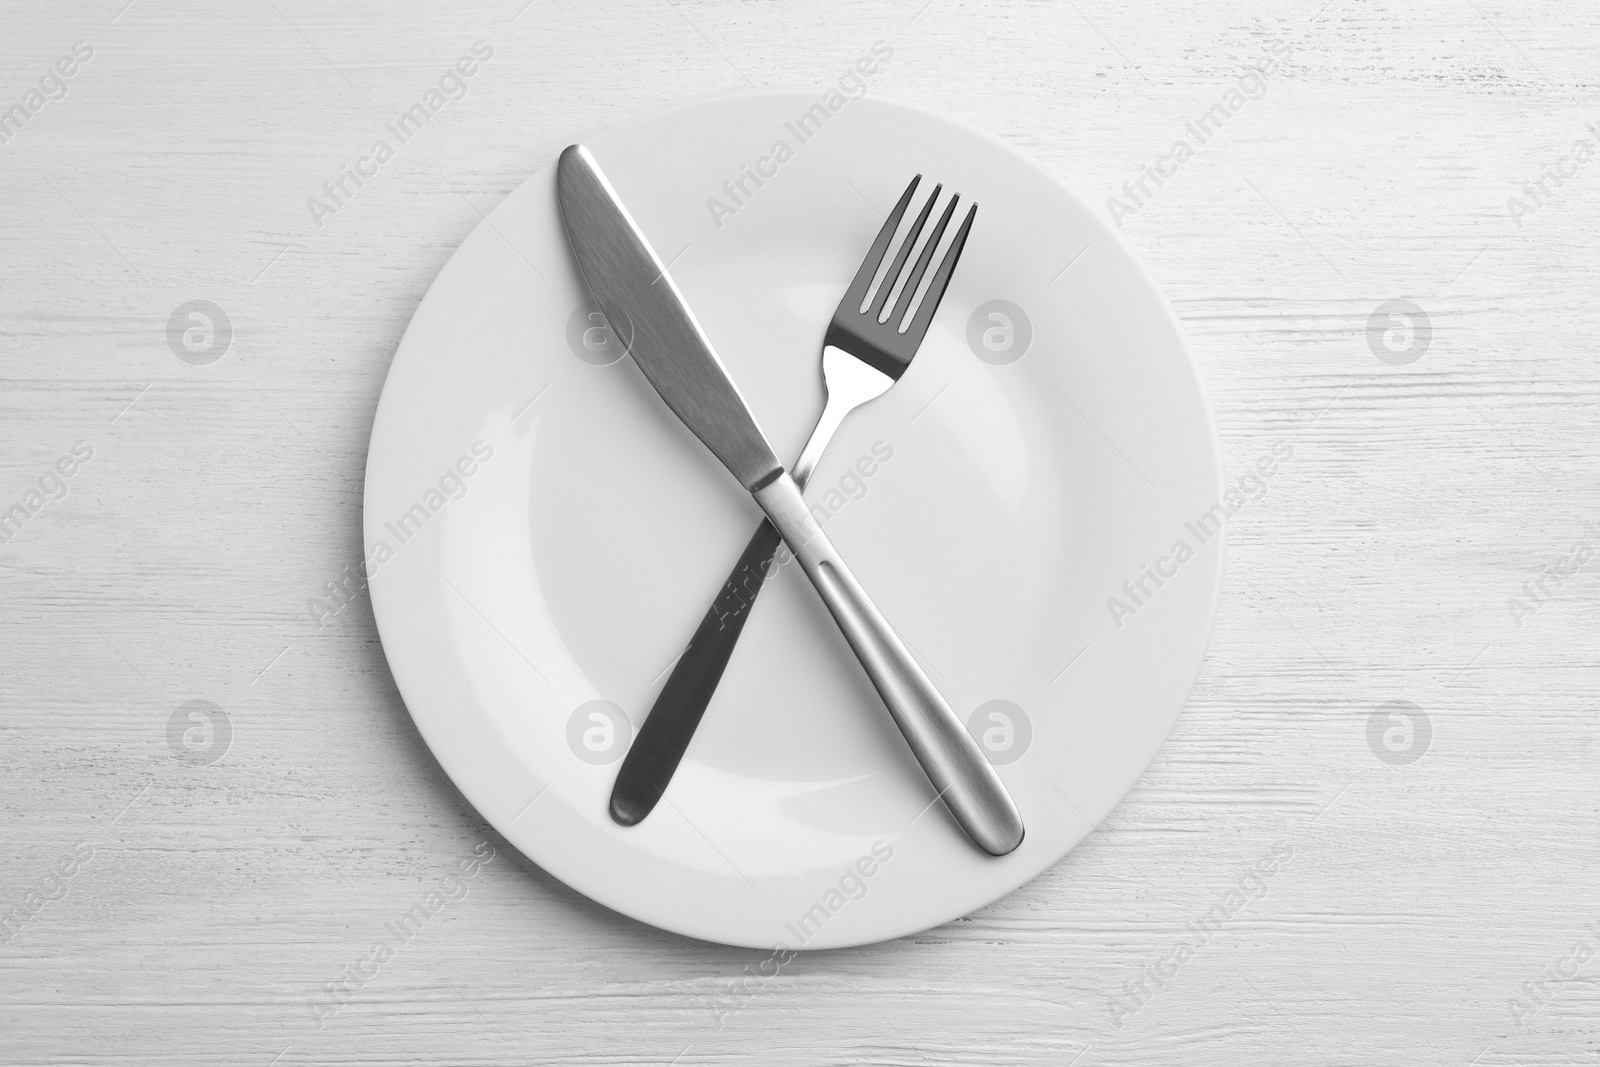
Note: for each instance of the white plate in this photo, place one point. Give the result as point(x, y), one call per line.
point(1006, 503)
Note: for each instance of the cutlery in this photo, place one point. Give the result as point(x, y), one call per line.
point(624, 274)
point(861, 358)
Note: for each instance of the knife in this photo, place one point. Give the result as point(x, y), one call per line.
point(627, 278)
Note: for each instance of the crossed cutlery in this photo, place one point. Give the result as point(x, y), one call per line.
point(865, 351)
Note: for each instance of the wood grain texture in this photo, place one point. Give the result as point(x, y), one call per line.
point(1419, 898)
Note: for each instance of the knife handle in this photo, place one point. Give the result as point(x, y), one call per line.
point(969, 784)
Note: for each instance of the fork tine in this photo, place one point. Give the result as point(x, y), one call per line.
point(941, 278)
point(856, 295)
point(900, 256)
point(914, 279)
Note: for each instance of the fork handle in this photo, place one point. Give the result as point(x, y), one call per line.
point(969, 784)
point(655, 754)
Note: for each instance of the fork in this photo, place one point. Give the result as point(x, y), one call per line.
point(864, 351)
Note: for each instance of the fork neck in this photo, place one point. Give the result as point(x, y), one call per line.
point(816, 444)
point(847, 383)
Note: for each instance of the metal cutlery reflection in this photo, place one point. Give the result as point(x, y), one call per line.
point(864, 351)
point(625, 275)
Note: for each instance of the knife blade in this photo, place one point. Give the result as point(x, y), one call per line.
point(627, 278)
point(625, 273)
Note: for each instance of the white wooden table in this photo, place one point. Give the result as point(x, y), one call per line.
point(1436, 911)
